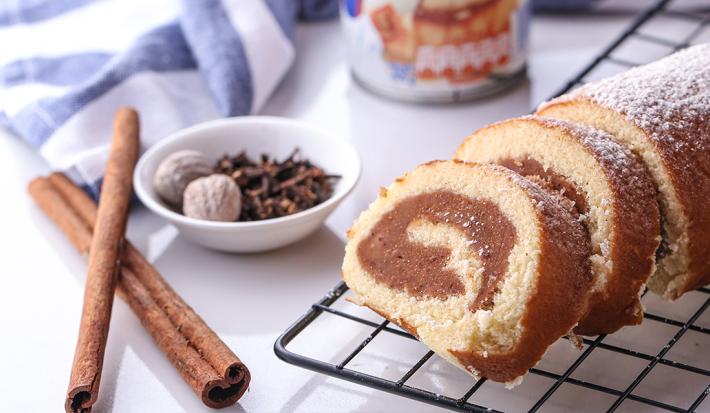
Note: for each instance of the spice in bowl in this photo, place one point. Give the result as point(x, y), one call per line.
point(176, 171)
point(238, 188)
point(215, 198)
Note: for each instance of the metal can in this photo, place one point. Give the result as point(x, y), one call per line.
point(436, 50)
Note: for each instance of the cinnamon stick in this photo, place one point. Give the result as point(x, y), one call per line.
point(181, 314)
point(55, 207)
point(103, 264)
point(217, 375)
point(213, 389)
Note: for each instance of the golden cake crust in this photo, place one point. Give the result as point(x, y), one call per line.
point(634, 231)
point(669, 101)
point(555, 300)
point(564, 282)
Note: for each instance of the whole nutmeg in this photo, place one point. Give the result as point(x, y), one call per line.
point(215, 198)
point(176, 171)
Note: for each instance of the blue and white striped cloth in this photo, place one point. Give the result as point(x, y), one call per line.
point(66, 65)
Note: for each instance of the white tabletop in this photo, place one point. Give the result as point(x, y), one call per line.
point(249, 300)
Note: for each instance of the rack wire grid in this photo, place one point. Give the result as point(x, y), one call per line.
point(677, 321)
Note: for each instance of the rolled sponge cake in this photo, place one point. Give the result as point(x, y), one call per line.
point(603, 183)
point(482, 265)
point(661, 111)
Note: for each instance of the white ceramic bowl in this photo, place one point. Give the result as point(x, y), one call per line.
point(274, 136)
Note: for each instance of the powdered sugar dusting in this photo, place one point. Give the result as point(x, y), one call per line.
point(621, 165)
point(557, 218)
point(602, 145)
point(667, 99)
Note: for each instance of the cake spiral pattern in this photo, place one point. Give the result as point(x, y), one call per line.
point(609, 189)
point(547, 225)
point(484, 266)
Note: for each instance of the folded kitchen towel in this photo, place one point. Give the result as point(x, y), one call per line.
point(66, 66)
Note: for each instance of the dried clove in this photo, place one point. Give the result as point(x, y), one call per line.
point(272, 189)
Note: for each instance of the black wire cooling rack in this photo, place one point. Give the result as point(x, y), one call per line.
point(645, 34)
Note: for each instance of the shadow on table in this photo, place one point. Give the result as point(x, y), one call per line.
point(123, 342)
point(253, 293)
point(235, 294)
point(319, 381)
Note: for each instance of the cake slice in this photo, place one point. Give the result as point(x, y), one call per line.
point(661, 111)
point(601, 182)
point(482, 265)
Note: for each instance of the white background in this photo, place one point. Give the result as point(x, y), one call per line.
point(250, 300)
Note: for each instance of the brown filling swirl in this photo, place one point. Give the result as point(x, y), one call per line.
point(389, 255)
point(549, 179)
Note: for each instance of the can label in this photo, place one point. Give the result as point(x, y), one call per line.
point(431, 48)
